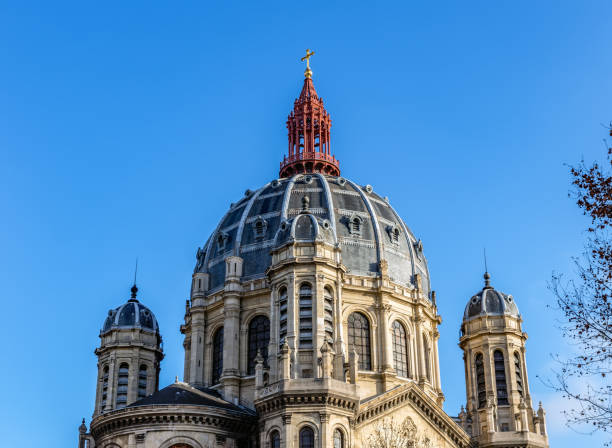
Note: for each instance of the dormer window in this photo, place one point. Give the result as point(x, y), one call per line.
point(222, 239)
point(259, 227)
point(394, 234)
point(355, 225)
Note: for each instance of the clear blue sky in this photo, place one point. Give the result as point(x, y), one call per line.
point(127, 129)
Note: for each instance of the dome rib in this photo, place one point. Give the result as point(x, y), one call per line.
point(243, 218)
point(287, 197)
point(373, 218)
point(330, 206)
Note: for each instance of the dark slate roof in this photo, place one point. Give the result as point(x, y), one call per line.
point(490, 302)
point(130, 315)
point(276, 213)
point(184, 394)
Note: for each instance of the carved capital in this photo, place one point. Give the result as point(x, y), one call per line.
point(324, 417)
point(286, 419)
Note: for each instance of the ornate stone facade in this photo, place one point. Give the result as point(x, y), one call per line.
point(311, 323)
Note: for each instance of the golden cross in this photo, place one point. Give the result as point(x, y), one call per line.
point(307, 58)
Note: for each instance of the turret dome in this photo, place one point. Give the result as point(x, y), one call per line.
point(131, 314)
point(489, 301)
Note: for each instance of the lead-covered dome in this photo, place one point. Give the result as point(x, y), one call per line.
point(489, 301)
point(319, 207)
point(131, 314)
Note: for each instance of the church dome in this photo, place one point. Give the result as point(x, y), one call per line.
point(314, 207)
point(490, 302)
point(131, 314)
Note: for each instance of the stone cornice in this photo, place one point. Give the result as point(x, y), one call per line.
point(170, 415)
point(427, 408)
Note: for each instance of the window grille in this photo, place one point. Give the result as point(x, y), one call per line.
point(282, 315)
point(328, 314)
point(305, 316)
point(517, 373)
point(359, 339)
point(307, 438)
point(142, 381)
point(104, 388)
point(259, 338)
point(217, 356)
point(275, 440)
point(480, 381)
point(122, 386)
point(500, 377)
point(400, 350)
point(338, 439)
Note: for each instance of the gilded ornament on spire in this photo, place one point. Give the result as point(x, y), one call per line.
point(308, 72)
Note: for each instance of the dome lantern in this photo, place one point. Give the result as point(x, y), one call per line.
point(308, 128)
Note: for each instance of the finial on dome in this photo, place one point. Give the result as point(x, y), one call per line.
point(134, 289)
point(487, 279)
point(308, 72)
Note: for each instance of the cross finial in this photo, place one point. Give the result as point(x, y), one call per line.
point(308, 72)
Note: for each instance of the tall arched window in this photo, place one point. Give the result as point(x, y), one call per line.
point(259, 338)
point(104, 388)
point(282, 315)
point(122, 385)
point(427, 355)
point(328, 313)
point(400, 350)
point(275, 440)
point(359, 339)
point(217, 356)
point(480, 381)
point(518, 373)
point(305, 316)
point(142, 381)
point(306, 437)
point(338, 438)
point(500, 377)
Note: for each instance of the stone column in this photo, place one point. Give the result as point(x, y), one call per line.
point(339, 346)
point(387, 345)
point(273, 345)
point(197, 337)
point(436, 366)
point(231, 347)
point(325, 438)
point(422, 374)
point(112, 381)
point(287, 436)
point(291, 322)
point(231, 329)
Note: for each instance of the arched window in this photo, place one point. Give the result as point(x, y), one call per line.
point(306, 438)
point(518, 373)
point(500, 377)
point(259, 338)
point(305, 316)
point(104, 388)
point(359, 339)
point(427, 355)
point(275, 439)
point(282, 315)
point(400, 350)
point(122, 385)
point(142, 381)
point(480, 381)
point(217, 356)
point(338, 438)
point(328, 314)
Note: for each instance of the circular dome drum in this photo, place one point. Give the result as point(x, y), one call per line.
point(363, 224)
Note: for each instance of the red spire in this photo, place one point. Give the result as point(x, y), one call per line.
point(309, 134)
